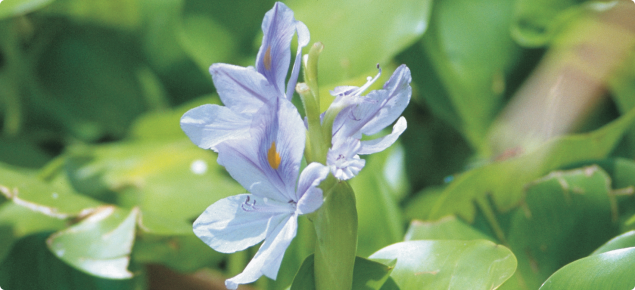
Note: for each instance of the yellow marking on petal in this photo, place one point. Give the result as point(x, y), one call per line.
point(267, 59)
point(273, 157)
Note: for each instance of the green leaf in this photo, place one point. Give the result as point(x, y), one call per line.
point(621, 170)
point(449, 264)
point(447, 228)
point(206, 41)
point(610, 270)
point(115, 13)
point(368, 275)
point(100, 244)
point(50, 199)
point(504, 180)
point(20, 152)
point(343, 26)
point(11, 8)
point(183, 253)
point(165, 125)
point(625, 240)
point(173, 180)
point(380, 220)
point(87, 84)
point(472, 52)
point(161, 41)
point(30, 265)
point(535, 22)
point(17, 221)
point(564, 216)
point(622, 86)
point(422, 203)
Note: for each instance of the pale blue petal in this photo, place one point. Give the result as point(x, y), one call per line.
point(209, 125)
point(342, 158)
point(397, 92)
point(303, 40)
point(238, 222)
point(355, 118)
point(269, 257)
point(246, 159)
point(288, 132)
point(274, 55)
point(242, 89)
point(379, 144)
point(342, 91)
point(309, 196)
point(377, 110)
point(240, 158)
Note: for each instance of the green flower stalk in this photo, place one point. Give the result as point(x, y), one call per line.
point(336, 221)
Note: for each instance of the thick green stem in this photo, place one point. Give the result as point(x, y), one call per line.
point(336, 221)
point(336, 230)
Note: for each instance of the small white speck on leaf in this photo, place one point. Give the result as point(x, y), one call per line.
point(198, 167)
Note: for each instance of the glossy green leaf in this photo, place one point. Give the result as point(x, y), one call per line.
point(343, 27)
point(172, 180)
point(449, 264)
point(380, 221)
point(368, 275)
point(504, 180)
point(51, 199)
point(610, 270)
point(11, 8)
point(30, 265)
point(100, 244)
point(447, 228)
point(564, 216)
point(625, 240)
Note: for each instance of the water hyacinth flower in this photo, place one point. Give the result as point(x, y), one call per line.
point(267, 165)
point(367, 115)
point(244, 90)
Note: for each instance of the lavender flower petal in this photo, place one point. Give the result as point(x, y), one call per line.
point(379, 144)
point(274, 55)
point(209, 125)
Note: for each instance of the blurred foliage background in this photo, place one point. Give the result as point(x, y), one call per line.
point(521, 132)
